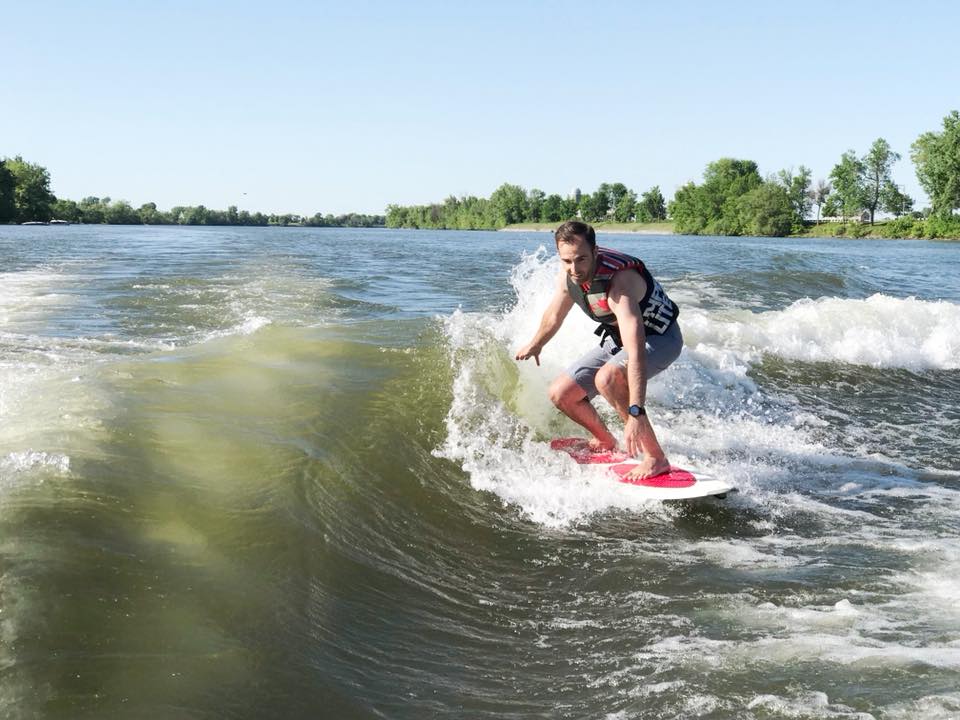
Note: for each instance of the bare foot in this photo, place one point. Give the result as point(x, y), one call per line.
point(598, 445)
point(648, 467)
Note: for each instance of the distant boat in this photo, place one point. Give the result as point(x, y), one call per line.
point(59, 222)
point(35, 222)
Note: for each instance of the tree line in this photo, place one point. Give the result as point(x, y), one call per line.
point(734, 199)
point(511, 204)
point(25, 196)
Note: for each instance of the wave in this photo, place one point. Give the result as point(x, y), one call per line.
point(879, 331)
point(276, 492)
point(710, 408)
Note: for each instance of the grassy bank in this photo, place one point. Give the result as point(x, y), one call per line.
point(657, 228)
point(880, 230)
point(904, 228)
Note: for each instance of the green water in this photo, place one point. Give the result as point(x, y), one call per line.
point(289, 473)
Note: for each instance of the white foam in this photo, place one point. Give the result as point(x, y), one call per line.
point(930, 707)
point(879, 331)
point(495, 448)
point(27, 294)
point(699, 653)
point(811, 704)
point(709, 413)
point(745, 554)
point(25, 460)
point(248, 325)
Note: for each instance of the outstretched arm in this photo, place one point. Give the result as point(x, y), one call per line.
point(626, 290)
point(552, 319)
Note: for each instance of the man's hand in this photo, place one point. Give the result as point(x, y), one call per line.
point(631, 436)
point(654, 461)
point(529, 351)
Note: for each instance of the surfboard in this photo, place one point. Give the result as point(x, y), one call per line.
point(676, 484)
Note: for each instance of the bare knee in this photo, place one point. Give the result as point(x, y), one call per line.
point(564, 391)
point(610, 378)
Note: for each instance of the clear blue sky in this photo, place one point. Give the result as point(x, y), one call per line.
point(302, 107)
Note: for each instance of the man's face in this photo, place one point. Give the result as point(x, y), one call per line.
point(577, 259)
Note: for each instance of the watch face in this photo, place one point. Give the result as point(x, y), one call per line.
point(635, 410)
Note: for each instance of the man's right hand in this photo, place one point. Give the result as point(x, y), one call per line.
point(530, 351)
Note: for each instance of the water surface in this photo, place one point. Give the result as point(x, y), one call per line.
point(254, 473)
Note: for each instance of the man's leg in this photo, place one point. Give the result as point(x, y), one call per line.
point(572, 401)
point(612, 385)
point(611, 379)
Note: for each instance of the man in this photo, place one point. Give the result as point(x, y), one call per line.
point(639, 334)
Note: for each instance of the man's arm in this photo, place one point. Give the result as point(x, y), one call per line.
point(626, 291)
point(552, 319)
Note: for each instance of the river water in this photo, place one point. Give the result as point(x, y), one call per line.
point(295, 473)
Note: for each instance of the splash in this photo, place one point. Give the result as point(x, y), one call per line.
point(710, 412)
point(879, 331)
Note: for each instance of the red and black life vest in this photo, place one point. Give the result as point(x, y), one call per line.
point(659, 312)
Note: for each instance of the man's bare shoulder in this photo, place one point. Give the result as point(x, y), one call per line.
point(628, 284)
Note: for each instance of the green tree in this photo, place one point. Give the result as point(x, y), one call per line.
point(936, 157)
point(198, 216)
point(625, 207)
point(797, 187)
point(67, 210)
point(894, 201)
point(652, 207)
point(92, 210)
point(535, 200)
point(121, 213)
point(398, 216)
point(848, 184)
point(688, 210)
point(149, 215)
point(593, 208)
point(553, 209)
point(877, 168)
point(509, 204)
point(8, 209)
point(32, 198)
point(818, 195)
point(615, 193)
point(712, 208)
point(767, 210)
point(832, 207)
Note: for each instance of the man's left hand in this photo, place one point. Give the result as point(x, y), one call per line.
point(631, 436)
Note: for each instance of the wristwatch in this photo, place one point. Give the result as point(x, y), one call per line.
point(637, 410)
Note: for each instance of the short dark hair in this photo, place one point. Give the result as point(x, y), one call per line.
point(571, 230)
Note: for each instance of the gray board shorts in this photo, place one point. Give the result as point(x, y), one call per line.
point(662, 350)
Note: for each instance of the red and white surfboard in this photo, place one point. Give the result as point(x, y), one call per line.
point(676, 484)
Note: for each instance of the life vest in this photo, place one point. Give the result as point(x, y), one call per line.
point(659, 312)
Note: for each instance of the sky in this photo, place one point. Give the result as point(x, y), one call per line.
point(338, 107)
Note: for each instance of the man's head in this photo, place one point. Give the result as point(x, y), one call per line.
point(577, 248)
point(571, 230)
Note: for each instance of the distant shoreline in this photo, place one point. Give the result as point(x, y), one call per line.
point(663, 228)
point(851, 231)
